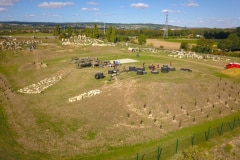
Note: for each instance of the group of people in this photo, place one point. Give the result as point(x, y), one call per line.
point(152, 66)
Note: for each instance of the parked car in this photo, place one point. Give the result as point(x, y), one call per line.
point(232, 65)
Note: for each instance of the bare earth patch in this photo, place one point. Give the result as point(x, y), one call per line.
point(166, 45)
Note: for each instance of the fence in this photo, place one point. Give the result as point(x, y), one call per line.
point(167, 150)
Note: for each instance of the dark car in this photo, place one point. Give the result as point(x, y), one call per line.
point(232, 65)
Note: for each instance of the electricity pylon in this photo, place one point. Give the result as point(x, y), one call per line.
point(165, 34)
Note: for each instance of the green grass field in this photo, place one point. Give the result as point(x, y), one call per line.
point(132, 114)
point(190, 40)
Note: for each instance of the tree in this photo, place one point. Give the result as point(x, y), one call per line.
point(69, 31)
point(231, 43)
point(113, 37)
point(204, 46)
point(87, 32)
point(224, 45)
point(111, 34)
point(234, 40)
point(185, 46)
point(238, 31)
point(142, 39)
point(95, 32)
point(57, 31)
point(108, 33)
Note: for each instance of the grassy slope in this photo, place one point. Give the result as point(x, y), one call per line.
point(10, 149)
point(126, 152)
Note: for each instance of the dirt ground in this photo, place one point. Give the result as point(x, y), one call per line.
point(228, 149)
point(130, 109)
point(166, 45)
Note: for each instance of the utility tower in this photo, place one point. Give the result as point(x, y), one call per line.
point(165, 34)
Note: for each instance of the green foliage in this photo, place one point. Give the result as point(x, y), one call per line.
point(56, 31)
point(108, 33)
point(232, 54)
point(234, 41)
point(224, 44)
point(204, 46)
point(216, 34)
point(195, 153)
point(228, 148)
point(238, 31)
point(142, 39)
point(231, 43)
point(185, 46)
point(90, 135)
point(113, 37)
point(90, 32)
point(95, 32)
point(87, 32)
point(67, 33)
point(111, 34)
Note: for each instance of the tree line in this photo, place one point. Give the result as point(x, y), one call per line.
point(210, 40)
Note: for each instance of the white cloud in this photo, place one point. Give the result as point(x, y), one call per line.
point(139, 5)
point(166, 11)
point(7, 2)
point(3, 9)
point(55, 4)
point(90, 9)
point(85, 9)
point(92, 3)
point(169, 11)
point(191, 4)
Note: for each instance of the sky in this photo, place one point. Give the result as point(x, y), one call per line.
point(183, 13)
